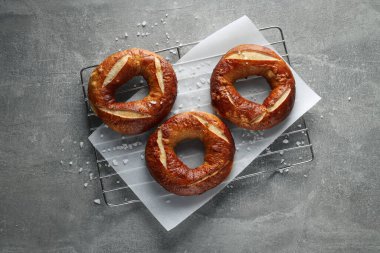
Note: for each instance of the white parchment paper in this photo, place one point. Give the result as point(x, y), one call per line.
point(126, 153)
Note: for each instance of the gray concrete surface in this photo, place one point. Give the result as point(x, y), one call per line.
point(43, 206)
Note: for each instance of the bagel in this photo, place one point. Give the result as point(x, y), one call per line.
point(243, 61)
point(175, 176)
point(132, 117)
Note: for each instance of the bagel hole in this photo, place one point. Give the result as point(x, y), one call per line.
point(253, 88)
point(191, 152)
point(133, 90)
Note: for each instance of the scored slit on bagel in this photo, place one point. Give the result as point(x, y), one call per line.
point(175, 176)
point(132, 117)
point(247, 60)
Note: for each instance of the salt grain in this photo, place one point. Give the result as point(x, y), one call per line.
point(285, 141)
point(349, 98)
point(143, 23)
point(125, 35)
point(142, 157)
point(125, 161)
point(115, 163)
point(81, 144)
point(116, 38)
point(85, 185)
point(71, 163)
point(97, 201)
point(80, 170)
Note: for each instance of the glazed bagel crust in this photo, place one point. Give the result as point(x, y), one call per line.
point(243, 61)
point(171, 173)
point(136, 116)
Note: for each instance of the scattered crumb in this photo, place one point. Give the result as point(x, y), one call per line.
point(282, 161)
point(166, 15)
point(116, 38)
point(118, 182)
point(81, 144)
point(153, 102)
point(142, 157)
point(349, 98)
point(138, 34)
point(143, 23)
point(300, 126)
point(71, 163)
point(125, 35)
point(321, 116)
point(305, 175)
point(85, 185)
point(80, 170)
point(285, 141)
point(97, 201)
point(281, 152)
point(115, 163)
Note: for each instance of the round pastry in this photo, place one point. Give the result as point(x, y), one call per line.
point(132, 117)
point(243, 61)
point(171, 173)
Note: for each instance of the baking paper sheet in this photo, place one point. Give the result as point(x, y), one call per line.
point(126, 153)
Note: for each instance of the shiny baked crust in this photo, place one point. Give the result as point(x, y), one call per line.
point(170, 172)
point(136, 116)
point(243, 61)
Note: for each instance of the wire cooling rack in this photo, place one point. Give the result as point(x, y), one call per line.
point(292, 148)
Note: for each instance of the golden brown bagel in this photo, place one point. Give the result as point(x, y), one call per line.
point(243, 61)
point(170, 172)
point(136, 116)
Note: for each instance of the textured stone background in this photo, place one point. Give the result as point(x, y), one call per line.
point(334, 46)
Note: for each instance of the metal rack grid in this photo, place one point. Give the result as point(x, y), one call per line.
point(293, 146)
